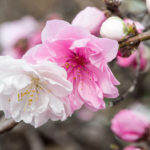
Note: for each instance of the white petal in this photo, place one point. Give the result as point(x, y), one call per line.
point(57, 108)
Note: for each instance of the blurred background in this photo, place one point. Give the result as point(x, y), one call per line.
point(85, 130)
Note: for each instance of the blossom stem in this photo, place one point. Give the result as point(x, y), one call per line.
point(133, 85)
point(135, 39)
point(6, 125)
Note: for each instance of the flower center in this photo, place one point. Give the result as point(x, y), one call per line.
point(75, 61)
point(30, 93)
point(75, 65)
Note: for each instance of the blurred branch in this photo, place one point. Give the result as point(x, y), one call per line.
point(7, 125)
point(133, 85)
point(33, 138)
point(61, 137)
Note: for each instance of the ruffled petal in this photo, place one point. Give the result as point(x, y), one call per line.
point(73, 33)
point(52, 28)
point(105, 50)
point(107, 82)
point(91, 93)
point(38, 53)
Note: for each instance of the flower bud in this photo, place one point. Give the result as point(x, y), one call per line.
point(90, 18)
point(112, 4)
point(114, 28)
point(131, 61)
point(129, 125)
point(139, 27)
point(132, 148)
point(148, 5)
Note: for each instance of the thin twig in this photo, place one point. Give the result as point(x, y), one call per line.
point(61, 137)
point(7, 125)
point(33, 138)
point(133, 85)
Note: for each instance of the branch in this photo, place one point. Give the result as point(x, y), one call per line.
point(7, 125)
point(133, 85)
point(135, 39)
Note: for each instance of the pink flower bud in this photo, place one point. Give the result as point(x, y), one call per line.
point(14, 36)
point(114, 28)
point(90, 18)
point(148, 5)
point(129, 125)
point(132, 148)
point(138, 25)
point(131, 61)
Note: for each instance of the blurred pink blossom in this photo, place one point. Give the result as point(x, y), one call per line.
point(131, 61)
point(54, 15)
point(90, 18)
point(129, 125)
point(85, 59)
point(132, 148)
point(14, 36)
point(85, 114)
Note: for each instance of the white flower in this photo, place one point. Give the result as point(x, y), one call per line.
point(33, 93)
point(114, 28)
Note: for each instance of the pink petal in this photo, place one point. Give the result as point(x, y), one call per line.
point(90, 18)
point(107, 82)
point(126, 61)
point(73, 33)
point(91, 93)
point(106, 50)
point(52, 28)
point(37, 53)
point(74, 98)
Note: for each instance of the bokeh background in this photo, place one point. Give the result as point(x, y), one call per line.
point(85, 130)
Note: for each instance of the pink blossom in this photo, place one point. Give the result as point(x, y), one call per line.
point(129, 125)
point(132, 148)
point(131, 61)
point(85, 59)
point(90, 18)
point(14, 36)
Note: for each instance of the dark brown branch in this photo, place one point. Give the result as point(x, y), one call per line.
point(7, 125)
point(138, 38)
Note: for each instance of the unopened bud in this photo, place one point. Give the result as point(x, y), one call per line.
point(113, 2)
point(114, 28)
point(90, 18)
